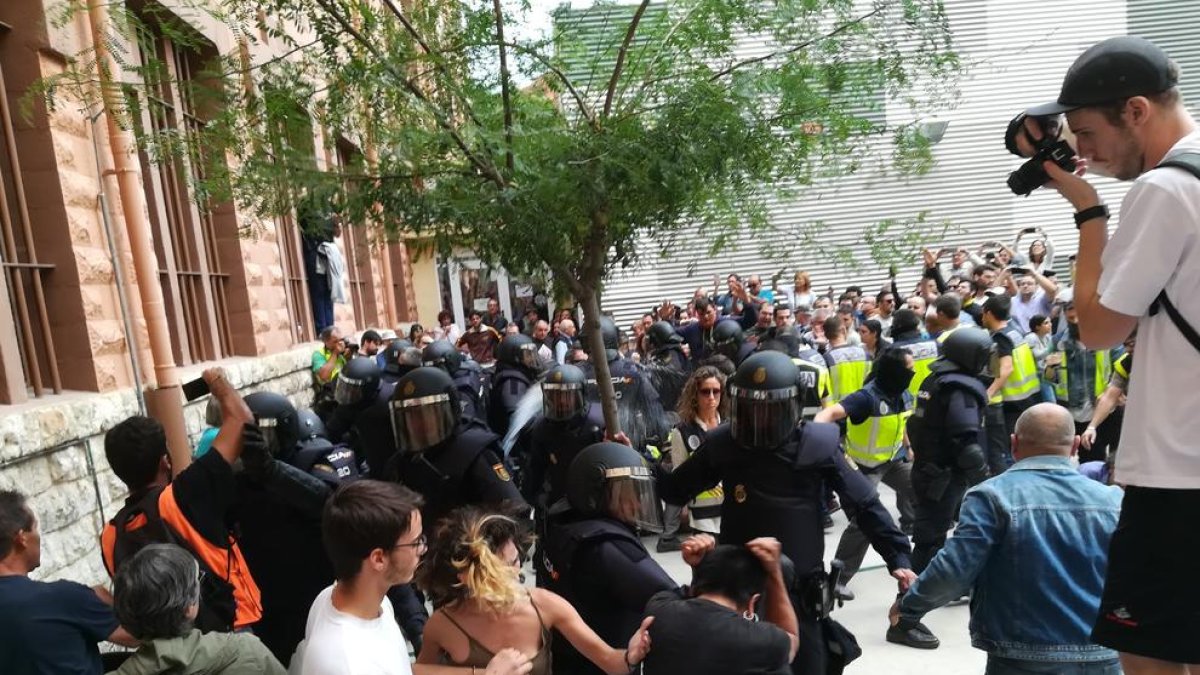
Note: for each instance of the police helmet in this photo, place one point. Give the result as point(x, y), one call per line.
point(612, 480)
point(766, 400)
point(727, 338)
point(403, 343)
point(967, 350)
point(563, 392)
point(310, 425)
point(276, 417)
point(424, 409)
point(610, 335)
point(391, 353)
point(661, 334)
point(442, 354)
point(519, 351)
point(358, 381)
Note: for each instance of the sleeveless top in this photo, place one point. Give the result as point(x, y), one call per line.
point(479, 656)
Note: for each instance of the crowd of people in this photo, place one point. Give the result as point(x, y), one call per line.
point(437, 468)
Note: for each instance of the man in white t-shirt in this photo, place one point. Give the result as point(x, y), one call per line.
point(1123, 105)
point(374, 538)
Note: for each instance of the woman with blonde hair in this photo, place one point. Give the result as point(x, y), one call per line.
point(801, 292)
point(472, 574)
point(701, 408)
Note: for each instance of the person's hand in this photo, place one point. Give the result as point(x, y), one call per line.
point(904, 578)
point(639, 644)
point(620, 437)
point(212, 375)
point(1072, 186)
point(1087, 438)
point(694, 548)
point(508, 662)
point(930, 258)
point(894, 612)
point(768, 551)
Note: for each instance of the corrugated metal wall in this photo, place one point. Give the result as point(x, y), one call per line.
point(1020, 49)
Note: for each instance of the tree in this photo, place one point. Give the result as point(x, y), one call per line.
point(584, 151)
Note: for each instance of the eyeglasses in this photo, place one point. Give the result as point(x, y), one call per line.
point(710, 392)
point(419, 544)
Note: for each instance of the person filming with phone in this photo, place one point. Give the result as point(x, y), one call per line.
point(1122, 103)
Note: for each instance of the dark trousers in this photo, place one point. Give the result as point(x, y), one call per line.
point(1108, 434)
point(321, 296)
point(999, 451)
point(937, 493)
point(852, 547)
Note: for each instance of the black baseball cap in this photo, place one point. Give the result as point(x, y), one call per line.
point(1115, 69)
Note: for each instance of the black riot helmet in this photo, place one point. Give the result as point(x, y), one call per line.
point(612, 480)
point(357, 382)
point(310, 426)
point(727, 339)
point(563, 393)
point(424, 409)
point(662, 334)
point(442, 354)
point(276, 417)
point(611, 336)
point(969, 351)
point(766, 400)
point(518, 351)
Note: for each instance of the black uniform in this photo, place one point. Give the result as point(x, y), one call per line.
point(638, 406)
point(468, 381)
point(947, 436)
point(509, 384)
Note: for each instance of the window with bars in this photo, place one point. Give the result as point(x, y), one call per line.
point(166, 110)
point(29, 360)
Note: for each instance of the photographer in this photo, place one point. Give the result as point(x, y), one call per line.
point(1122, 103)
point(327, 361)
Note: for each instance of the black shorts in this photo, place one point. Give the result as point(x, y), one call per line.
point(1151, 603)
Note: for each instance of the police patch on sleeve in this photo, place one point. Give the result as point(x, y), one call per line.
point(501, 472)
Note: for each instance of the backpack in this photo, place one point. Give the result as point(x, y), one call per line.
point(1190, 162)
point(139, 524)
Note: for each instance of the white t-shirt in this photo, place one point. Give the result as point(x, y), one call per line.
point(1157, 245)
point(336, 643)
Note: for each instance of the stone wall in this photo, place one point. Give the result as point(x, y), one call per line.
point(52, 450)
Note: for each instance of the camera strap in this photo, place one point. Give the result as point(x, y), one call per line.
point(1190, 162)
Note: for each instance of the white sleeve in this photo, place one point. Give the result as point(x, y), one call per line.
point(1146, 249)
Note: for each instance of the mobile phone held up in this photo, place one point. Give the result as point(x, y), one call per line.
point(195, 389)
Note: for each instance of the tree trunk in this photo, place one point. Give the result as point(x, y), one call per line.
point(608, 398)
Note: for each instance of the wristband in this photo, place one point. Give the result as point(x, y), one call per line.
point(1098, 211)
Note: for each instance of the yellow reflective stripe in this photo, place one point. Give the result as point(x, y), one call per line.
point(947, 333)
point(713, 497)
point(1103, 373)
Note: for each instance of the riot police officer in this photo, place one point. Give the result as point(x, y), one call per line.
point(320, 457)
point(567, 425)
point(594, 556)
point(639, 408)
point(947, 436)
point(449, 459)
point(468, 376)
point(397, 361)
point(665, 363)
point(517, 365)
point(906, 333)
point(729, 341)
point(356, 389)
point(773, 469)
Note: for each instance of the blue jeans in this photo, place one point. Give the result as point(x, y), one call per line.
point(1001, 666)
point(1048, 395)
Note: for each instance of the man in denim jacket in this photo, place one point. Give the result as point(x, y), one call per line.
point(1031, 545)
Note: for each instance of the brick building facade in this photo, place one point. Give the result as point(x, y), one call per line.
point(76, 334)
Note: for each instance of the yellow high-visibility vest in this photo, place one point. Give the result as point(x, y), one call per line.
point(1024, 381)
point(848, 369)
point(924, 353)
point(879, 437)
point(1102, 367)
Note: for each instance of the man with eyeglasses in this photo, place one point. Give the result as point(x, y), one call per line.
point(374, 537)
point(1032, 294)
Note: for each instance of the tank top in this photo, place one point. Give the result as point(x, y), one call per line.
point(479, 656)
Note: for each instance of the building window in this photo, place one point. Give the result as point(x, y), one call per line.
point(165, 110)
point(357, 248)
point(28, 358)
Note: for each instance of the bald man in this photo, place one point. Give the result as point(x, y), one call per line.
point(1030, 546)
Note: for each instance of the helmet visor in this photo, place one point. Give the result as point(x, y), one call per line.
point(270, 431)
point(528, 357)
point(763, 419)
point(631, 497)
point(348, 390)
point(421, 423)
point(561, 401)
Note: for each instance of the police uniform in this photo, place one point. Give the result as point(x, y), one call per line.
point(848, 368)
point(509, 384)
point(1019, 392)
point(924, 352)
point(638, 406)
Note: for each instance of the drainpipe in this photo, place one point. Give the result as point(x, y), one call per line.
point(165, 403)
point(391, 315)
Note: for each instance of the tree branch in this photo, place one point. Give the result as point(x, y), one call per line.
point(616, 76)
point(484, 168)
point(505, 95)
point(799, 47)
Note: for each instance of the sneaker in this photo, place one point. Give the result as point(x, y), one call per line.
point(912, 634)
point(668, 545)
point(842, 593)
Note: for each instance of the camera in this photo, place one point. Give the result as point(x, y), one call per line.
point(1031, 175)
point(351, 346)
